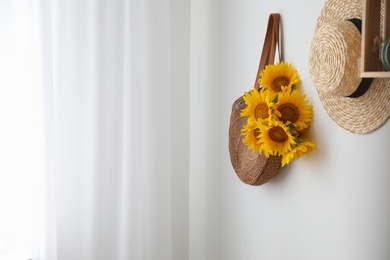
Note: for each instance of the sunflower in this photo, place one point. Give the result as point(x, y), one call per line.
point(251, 133)
point(297, 151)
point(258, 105)
point(275, 138)
point(292, 108)
point(305, 133)
point(278, 75)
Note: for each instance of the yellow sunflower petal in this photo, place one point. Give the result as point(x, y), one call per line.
point(251, 133)
point(276, 76)
point(297, 152)
point(258, 105)
point(292, 108)
point(275, 138)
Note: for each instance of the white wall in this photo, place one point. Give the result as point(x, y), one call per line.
point(331, 204)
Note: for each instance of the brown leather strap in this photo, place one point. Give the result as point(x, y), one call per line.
point(272, 38)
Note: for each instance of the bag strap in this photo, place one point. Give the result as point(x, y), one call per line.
point(272, 38)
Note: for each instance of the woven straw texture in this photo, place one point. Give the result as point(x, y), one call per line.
point(333, 58)
point(333, 66)
point(252, 168)
point(339, 10)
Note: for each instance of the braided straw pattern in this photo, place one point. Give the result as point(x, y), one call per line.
point(252, 168)
point(339, 10)
point(333, 59)
point(360, 115)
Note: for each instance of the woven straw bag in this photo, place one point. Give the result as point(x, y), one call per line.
point(254, 168)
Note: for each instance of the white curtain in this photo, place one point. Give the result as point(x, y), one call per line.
point(113, 139)
point(111, 80)
point(21, 133)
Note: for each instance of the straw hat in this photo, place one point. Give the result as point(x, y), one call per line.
point(333, 66)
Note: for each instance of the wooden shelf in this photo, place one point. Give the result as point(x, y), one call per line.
point(372, 26)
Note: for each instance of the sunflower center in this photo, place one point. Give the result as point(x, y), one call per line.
point(289, 112)
point(277, 134)
point(261, 111)
point(279, 82)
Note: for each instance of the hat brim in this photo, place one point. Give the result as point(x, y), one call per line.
point(364, 114)
point(360, 115)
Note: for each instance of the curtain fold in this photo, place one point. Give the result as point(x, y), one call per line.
point(22, 166)
point(113, 83)
point(96, 97)
point(45, 233)
point(112, 119)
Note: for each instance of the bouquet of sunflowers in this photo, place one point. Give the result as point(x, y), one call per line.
point(278, 114)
